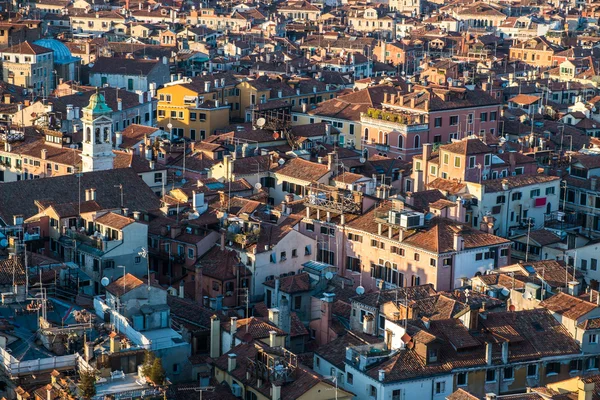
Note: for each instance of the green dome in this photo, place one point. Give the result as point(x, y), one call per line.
point(98, 105)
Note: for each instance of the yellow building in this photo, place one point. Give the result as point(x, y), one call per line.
point(197, 107)
point(30, 66)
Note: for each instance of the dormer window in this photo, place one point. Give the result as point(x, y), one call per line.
point(433, 355)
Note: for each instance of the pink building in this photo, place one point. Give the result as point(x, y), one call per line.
point(390, 246)
point(428, 114)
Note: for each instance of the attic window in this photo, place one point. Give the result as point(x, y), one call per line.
point(433, 355)
point(537, 326)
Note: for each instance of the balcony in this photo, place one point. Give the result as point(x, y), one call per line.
point(362, 357)
point(163, 254)
point(382, 147)
point(96, 242)
point(244, 238)
point(403, 122)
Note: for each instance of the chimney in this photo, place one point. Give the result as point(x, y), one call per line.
point(119, 139)
point(274, 315)
point(272, 339)
point(231, 361)
point(233, 328)
point(49, 392)
point(115, 343)
point(215, 337)
point(44, 154)
point(70, 112)
point(490, 396)
point(181, 286)
point(573, 288)
point(119, 105)
point(88, 351)
point(276, 392)
point(458, 241)
point(488, 353)
point(504, 352)
point(585, 390)
point(92, 194)
point(330, 160)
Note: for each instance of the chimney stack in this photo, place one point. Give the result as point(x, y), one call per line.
point(231, 361)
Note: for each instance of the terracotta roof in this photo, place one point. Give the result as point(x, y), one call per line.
point(568, 306)
point(190, 311)
point(26, 48)
point(292, 283)
point(258, 328)
point(524, 99)
point(223, 265)
point(462, 394)
point(12, 271)
point(452, 186)
point(115, 221)
point(124, 66)
point(467, 147)
point(135, 133)
point(137, 195)
point(124, 285)
point(301, 169)
point(518, 181)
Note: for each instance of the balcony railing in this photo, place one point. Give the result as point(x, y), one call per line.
point(93, 241)
point(403, 122)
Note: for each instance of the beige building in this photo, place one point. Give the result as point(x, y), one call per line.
point(30, 66)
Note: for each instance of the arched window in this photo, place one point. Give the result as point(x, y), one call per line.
point(106, 135)
point(417, 141)
point(97, 135)
point(400, 141)
point(88, 134)
point(366, 134)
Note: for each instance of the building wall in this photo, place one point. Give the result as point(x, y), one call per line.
point(36, 74)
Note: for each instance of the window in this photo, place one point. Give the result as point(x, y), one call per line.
point(592, 363)
point(438, 122)
point(307, 250)
point(593, 338)
point(317, 362)
point(138, 259)
point(355, 238)
point(584, 265)
point(282, 256)
point(457, 162)
point(501, 199)
point(432, 262)
point(550, 190)
point(472, 160)
point(575, 365)
point(509, 374)
point(516, 196)
point(504, 253)
point(158, 177)
point(440, 387)
point(310, 227)
point(446, 158)
point(273, 258)
point(192, 116)
point(483, 117)
point(353, 263)
point(552, 368)
point(372, 391)
point(417, 257)
point(534, 193)
point(297, 302)
point(478, 256)
point(490, 375)
point(454, 120)
point(350, 378)
point(461, 379)
point(396, 394)
point(532, 370)
point(294, 253)
point(327, 231)
point(582, 199)
point(593, 264)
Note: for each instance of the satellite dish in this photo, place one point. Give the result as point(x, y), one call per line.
point(3, 243)
point(257, 186)
point(183, 181)
point(178, 173)
point(281, 161)
point(105, 281)
point(362, 160)
point(261, 122)
point(360, 290)
point(449, 80)
point(329, 275)
point(169, 125)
